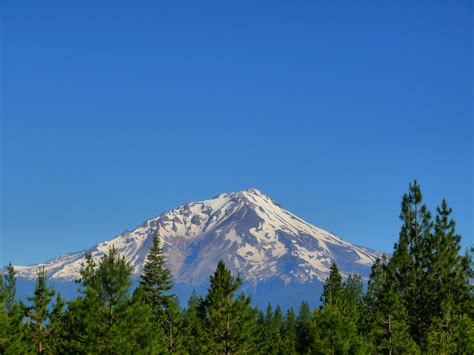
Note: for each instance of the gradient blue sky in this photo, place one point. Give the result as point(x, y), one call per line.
point(112, 114)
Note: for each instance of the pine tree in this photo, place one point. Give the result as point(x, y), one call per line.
point(194, 337)
point(107, 297)
point(38, 313)
point(156, 279)
point(441, 337)
point(426, 267)
point(410, 260)
point(332, 287)
point(55, 329)
point(272, 331)
point(464, 334)
point(278, 324)
point(3, 316)
point(155, 284)
point(266, 328)
point(289, 333)
point(106, 319)
point(230, 323)
point(12, 325)
point(352, 298)
point(304, 329)
point(172, 325)
point(10, 287)
point(333, 335)
point(336, 322)
point(385, 317)
point(452, 333)
point(246, 325)
point(144, 336)
point(446, 274)
point(72, 336)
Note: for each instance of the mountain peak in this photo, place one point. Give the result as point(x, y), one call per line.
point(251, 232)
point(242, 194)
point(253, 191)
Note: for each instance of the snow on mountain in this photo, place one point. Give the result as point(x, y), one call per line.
point(252, 233)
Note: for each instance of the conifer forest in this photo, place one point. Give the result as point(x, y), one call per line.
point(418, 300)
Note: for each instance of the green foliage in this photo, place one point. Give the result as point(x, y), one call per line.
point(418, 301)
point(173, 326)
point(55, 330)
point(288, 333)
point(38, 312)
point(10, 289)
point(452, 333)
point(352, 301)
point(304, 329)
point(426, 269)
point(409, 261)
point(386, 317)
point(106, 318)
point(229, 321)
point(194, 335)
point(156, 280)
point(336, 324)
point(446, 270)
point(332, 287)
point(272, 329)
point(155, 284)
point(13, 330)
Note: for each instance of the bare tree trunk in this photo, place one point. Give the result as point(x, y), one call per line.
point(227, 338)
point(110, 326)
point(390, 333)
point(40, 343)
point(170, 340)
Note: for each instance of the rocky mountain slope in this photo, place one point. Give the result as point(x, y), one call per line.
point(252, 233)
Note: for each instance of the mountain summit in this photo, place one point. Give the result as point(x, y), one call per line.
point(253, 234)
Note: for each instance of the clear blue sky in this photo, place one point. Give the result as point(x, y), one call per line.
point(112, 114)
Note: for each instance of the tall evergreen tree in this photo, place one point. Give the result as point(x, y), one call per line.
point(12, 325)
point(446, 274)
point(156, 279)
point(451, 333)
point(155, 284)
point(304, 329)
point(10, 287)
point(336, 322)
point(352, 298)
point(55, 328)
point(289, 333)
point(385, 316)
point(229, 322)
point(4, 321)
point(272, 330)
point(246, 325)
point(332, 287)
point(106, 290)
point(333, 335)
point(410, 259)
point(106, 319)
point(144, 336)
point(38, 312)
point(278, 322)
point(195, 337)
point(172, 324)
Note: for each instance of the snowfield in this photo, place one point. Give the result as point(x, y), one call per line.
point(252, 233)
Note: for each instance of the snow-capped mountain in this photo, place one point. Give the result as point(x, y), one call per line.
point(252, 233)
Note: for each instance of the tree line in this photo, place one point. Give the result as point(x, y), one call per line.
point(420, 300)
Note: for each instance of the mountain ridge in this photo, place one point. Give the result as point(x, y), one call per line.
point(254, 235)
